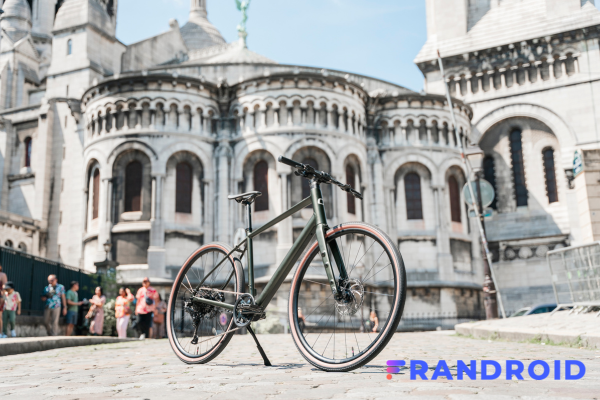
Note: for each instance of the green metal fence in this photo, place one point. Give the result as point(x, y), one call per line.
point(30, 275)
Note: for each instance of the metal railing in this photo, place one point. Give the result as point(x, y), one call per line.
point(575, 275)
point(29, 274)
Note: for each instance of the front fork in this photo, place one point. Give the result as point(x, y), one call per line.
point(321, 230)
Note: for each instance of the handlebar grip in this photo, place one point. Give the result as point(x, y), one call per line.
point(289, 162)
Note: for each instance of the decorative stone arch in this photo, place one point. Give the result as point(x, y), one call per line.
point(142, 147)
point(243, 149)
point(169, 194)
point(93, 165)
point(324, 161)
point(94, 154)
point(350, 149)
point(247, 166)
point(308, 141)
point(567, 138)
point(159, 167)
point(391, 168)
point(119, 165)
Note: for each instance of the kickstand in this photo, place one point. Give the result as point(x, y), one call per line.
point(260, 349)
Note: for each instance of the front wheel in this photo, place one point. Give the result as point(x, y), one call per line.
point(342, 335)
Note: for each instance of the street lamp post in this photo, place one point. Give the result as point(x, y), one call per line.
point(490, 301)
point(103, 267)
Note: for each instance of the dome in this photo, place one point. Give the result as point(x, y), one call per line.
point(81, 12)
point(17, 9)
point(16, 20)
point(239, 54)
point(199, 33)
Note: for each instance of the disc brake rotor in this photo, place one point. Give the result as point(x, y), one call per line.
point(354, 299)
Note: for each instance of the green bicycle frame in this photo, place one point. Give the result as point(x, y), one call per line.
point(316, 225)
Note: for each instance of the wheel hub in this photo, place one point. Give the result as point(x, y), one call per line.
point(352, 299)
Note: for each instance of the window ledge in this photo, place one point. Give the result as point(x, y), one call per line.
point(18, 177)
point(131, 227)
point(132, 216)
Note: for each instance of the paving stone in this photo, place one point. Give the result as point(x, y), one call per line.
point(150, 370)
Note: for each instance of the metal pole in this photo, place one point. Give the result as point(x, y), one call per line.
point(484, 242)
point(489, 291)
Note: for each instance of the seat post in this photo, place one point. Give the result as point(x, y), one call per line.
point(250, 254)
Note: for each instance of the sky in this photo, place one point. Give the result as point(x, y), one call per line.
point(374, 38)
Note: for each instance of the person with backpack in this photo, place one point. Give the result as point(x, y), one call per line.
point(146, 298)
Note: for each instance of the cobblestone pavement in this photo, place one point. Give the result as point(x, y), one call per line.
point(149, 370)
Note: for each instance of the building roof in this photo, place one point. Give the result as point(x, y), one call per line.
point(199, 33)
point(75, 13)
point(510, 22)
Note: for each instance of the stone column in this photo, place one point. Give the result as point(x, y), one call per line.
point(445, 264)
point(104, 213)
point(222, 161)
point(263, 118)
point(276, 117)
point(195, 121)
point(285, 236)
point(208, 204)
point(156, 251)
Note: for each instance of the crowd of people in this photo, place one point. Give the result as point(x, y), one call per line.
point(144, 312)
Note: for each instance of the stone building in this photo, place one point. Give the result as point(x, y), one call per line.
point(140, 145)
point(530, 72)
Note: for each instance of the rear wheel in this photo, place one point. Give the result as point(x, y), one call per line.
point(336, 335)
point(196, 331)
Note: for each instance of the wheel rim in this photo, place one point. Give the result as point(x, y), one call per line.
point(332, 334)
point(214, 323)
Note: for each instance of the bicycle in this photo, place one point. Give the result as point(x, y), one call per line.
point(363, 270)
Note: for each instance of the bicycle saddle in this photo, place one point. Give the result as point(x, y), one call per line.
point(245, 198)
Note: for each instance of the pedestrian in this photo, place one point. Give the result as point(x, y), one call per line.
point(73, 304)
point(301, 320)
point(374, 320)
point(54, 298)
point(146, 304)
point(123, 311)
point(3, 281)
point(96, 313)
point(159, 318)
point(12, 308)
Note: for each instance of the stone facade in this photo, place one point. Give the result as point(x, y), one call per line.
point(82, 114)
point(526, 66)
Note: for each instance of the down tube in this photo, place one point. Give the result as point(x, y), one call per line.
point(287, 264)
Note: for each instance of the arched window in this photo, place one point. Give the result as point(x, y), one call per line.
point(27, 143)
point(22, 247)
point(9, 244)
point(350, 180)
point(261, 184)
point(412, 191)
point(305, 182)
point(550, 174)
point(518, 168)
point(69, 47)
point(454, 199)
point(95, 193)
point(183, 188)
point(133, 186)
point(489, 174)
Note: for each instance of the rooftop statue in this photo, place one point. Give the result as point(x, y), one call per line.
point(243, 5)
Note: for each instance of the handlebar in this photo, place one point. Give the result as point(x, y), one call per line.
point(309, 172)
